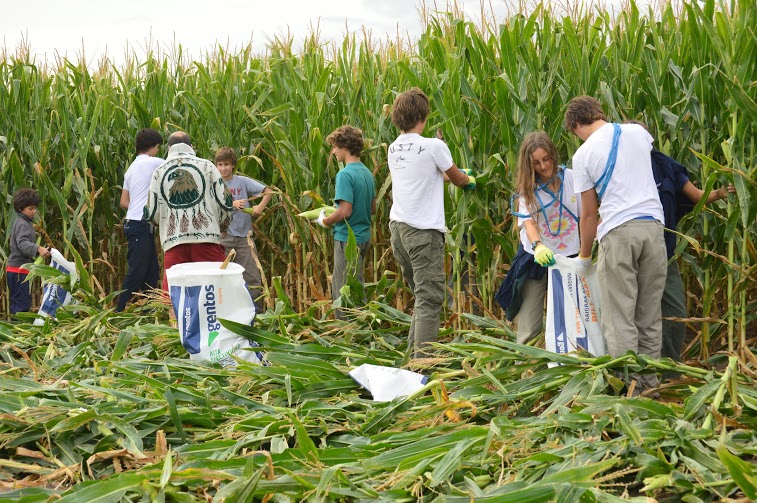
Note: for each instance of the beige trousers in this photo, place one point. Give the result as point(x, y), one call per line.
point(530, 318)
point(632, 268)
point(245, 259)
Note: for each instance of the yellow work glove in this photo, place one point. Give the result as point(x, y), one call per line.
point(544, 256)
point(471, 183)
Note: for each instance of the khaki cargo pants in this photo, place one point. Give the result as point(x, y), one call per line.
point(420, 254)
point(632, 267)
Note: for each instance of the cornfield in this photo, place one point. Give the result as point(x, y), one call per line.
point(104, 407)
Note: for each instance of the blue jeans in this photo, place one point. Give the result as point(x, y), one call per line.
point(142, 259)
point(20, 293)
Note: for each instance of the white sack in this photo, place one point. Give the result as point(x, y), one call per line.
point(387, 383)
point(573, 309)
point(201, 294)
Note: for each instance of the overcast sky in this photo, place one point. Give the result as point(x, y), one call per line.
point(64, 26)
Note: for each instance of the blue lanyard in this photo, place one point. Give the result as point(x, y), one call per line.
point(604, 180)
point(543, 207)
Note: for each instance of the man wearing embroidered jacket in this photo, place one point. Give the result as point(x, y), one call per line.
point(191, 205)
point(631, 263)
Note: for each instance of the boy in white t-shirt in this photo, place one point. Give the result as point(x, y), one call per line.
point(632, 263)
point(141, 256)
point(419, 166)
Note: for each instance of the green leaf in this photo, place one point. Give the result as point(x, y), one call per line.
point(105, 491)
point(407, 455)
point(696, 402)
point(165, 475)
point(579, 474)
point(78, 420)
point(175, 416)
point(122, 344)
point(450, 462)
point(743, 473)
point(304, 442)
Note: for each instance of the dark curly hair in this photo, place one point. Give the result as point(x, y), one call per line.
point(410, 108)
point(348, 137)
point(25, 197)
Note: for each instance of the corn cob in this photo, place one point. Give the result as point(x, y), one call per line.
point(313, 214)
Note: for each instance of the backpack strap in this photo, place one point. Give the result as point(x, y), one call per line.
point(604, 180)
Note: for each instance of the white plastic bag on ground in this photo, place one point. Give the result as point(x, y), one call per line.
point(387, 383)
point(54, 296)
point(573, 309)
point(201, 294)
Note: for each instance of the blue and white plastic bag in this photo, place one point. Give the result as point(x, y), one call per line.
point(54, 296)
point(202, 293)
point(573, 309)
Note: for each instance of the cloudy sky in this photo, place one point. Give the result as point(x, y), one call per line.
point(63, 27)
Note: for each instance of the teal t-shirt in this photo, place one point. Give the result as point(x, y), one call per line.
point(354, 184)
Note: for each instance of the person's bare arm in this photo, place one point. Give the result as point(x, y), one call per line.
point(589, 221)
point(125, 199)
point(456, 177)
point(531, 231)
point(694, 194)
point(260, 207)
point(373, 206)
point(343, 212)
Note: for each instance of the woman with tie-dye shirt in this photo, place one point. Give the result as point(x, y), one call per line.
point(547, 212)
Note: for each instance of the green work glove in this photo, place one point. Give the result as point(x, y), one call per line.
point(471, 179)
point(544, 256)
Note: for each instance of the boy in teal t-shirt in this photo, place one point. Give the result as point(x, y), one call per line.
point(356, 201)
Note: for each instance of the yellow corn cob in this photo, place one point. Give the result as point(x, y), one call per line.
point(313, 214)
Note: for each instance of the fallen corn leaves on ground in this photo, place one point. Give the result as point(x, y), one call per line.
point(108, 408)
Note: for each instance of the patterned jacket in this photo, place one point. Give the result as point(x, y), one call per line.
point(188, 199)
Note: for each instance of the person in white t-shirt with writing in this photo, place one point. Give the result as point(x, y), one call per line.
point(142, 257)
point(613, 175)
point(419, 166)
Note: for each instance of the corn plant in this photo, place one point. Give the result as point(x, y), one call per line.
point(686, 70)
